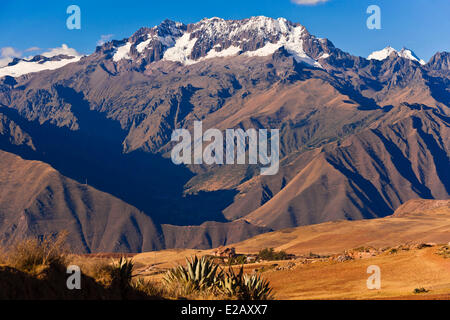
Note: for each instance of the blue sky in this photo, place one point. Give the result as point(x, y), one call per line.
point(421, 25)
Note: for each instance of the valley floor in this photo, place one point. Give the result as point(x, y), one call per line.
point(332, 258)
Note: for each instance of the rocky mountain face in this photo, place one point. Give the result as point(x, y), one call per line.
point(440, 62)
point(400, 157)
point(358, 137)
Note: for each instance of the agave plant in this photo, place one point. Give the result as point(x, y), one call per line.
point(121, 272)
point(243, 286)
point(231, 283)
point(198, 275)
point(256, 288)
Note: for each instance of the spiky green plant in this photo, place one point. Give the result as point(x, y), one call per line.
point(257, 288)
point(243, 286)
point(121, 272)
point(198, 275)
point(231, 283)
point(203, 274)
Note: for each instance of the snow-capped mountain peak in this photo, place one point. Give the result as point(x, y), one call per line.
point(409, 54)
point(381, 54)
point(386, 52)
point(216, 37)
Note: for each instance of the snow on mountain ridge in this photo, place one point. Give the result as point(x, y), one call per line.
point(189, 44)
point(216, 37)
point(181, 50)
point(408, 54)
point(263, 26)
point(381, 54)
point(63, 50)
point(50, 60)
point(386, 52)
point(122, 52)
point(208, 38)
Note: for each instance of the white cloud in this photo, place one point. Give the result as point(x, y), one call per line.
point(64, 49)
point(104, 38)
point(7, 54)
point(308, 2)
point(10, 52)
point(32, 49)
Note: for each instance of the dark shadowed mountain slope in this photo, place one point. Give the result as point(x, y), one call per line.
point(36, 200)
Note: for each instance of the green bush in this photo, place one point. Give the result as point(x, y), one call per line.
point(420, 290)
point(239, 259)
point(393, 251)
point(270, 254)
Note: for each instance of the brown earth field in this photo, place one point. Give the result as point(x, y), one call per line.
point(405, 246)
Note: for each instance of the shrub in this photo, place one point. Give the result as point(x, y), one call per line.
point(99, 269)
point(28, 254)
point(148, 288)
point(314, 255)
point(444, 251)
point(423, 245)
point(393, 251)
point(420, 290)
point(271, 254)
point(363, 249)
point(239, 259)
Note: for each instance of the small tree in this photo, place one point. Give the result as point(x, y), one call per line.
point(270, 254)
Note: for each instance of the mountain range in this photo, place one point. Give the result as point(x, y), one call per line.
point(85, 143)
